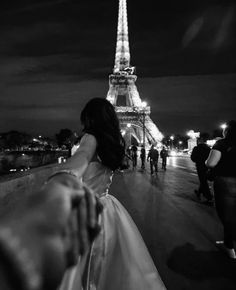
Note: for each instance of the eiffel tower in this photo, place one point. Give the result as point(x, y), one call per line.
point(136, 124)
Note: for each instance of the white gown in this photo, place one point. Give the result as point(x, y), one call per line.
point(119, 259)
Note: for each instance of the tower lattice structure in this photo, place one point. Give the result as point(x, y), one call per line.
point(134, 118)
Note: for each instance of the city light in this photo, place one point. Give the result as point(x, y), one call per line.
point(172, 137)
point(223, 126)
point(144, 104)
point(211, 142)
point(193, 134)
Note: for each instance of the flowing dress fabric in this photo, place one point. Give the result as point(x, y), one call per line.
point(119, 259)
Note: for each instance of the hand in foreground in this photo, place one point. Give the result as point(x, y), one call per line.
point(58, 224)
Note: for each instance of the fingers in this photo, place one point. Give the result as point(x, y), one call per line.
point(91, 207)
point(99, 206)
point(82, 227)
point(95, 228)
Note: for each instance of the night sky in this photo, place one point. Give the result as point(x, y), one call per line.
point(56, 55)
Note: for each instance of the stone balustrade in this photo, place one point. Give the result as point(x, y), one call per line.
point(15, 187)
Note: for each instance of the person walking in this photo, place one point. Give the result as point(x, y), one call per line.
point(164, 155)
point(199, 156)
point(118, 258)
point(143, 157)
point(134, 155)
point(153, 156)
point(222, 160)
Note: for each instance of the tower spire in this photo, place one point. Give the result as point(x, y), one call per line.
point(123, 93)
point(122, 58)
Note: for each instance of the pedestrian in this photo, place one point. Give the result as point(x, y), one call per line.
point(118, 258)
point(134, 155)
point(143, 157)
point(222, 159)
point(153, 156)
point(199, 156)
point(164, 155)
point(125, 164)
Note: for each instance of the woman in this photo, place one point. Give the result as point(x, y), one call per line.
point(223, 159)
point(118, 258)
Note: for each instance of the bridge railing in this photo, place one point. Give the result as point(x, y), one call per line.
point(16, 187)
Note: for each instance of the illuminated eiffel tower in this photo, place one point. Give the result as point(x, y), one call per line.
point(134, 116)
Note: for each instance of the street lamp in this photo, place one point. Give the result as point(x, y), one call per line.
point(180, 144)
point(172, 139)
point(223, 126)
point(122, 132)
point(143, 105)
point(129, 133)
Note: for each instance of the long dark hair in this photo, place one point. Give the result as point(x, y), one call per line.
point(99, 119)
point(230, 132)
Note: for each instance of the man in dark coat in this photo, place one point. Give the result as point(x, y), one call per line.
point(143, 157)
point(199, 156)
point(153, 156)
point(134, 155)
point(164, 155)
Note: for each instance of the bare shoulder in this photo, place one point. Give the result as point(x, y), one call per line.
point(88, 144)
point(88, 139)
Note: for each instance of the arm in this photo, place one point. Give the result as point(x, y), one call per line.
point(80, 160)
point(193, 154)
point(213, 158)
point(44, 235)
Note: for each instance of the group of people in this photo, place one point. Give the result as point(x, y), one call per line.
point(152, 157)
point(217, 165)
point(73, 234)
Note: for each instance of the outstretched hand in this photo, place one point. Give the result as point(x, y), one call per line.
point(58, 224)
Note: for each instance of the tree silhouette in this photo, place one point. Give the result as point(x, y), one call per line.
point(65, 137)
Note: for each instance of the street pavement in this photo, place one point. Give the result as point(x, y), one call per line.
point(179, 231)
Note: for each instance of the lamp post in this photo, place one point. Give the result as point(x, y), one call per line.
point(129, 134)
point(172, 139)
point(180, 144)
point(143, 105)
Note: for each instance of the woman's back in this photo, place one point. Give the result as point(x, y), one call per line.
point(98, 177)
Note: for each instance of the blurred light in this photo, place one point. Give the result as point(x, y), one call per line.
point(193, 134)
point(180, 142)
point(211, 142)
point(223, 126)
point(40, 136)
point(122, 132)
point(144, 104)
point(172, 137)
point(128, 125)
point(173, 153)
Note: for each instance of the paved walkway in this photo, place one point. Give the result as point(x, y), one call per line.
point(179, 231)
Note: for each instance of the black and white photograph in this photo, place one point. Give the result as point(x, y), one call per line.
point(118, 145)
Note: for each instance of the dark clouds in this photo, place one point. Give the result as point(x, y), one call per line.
point(54, 55)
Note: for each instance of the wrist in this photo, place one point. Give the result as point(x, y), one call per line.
point(18, 262)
